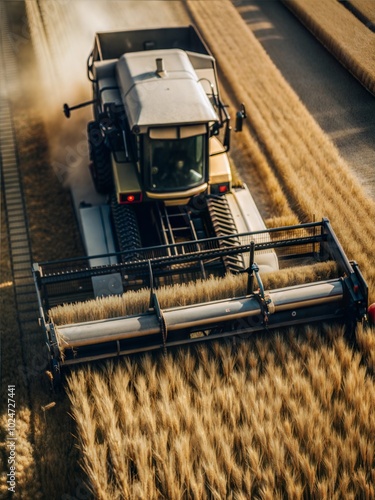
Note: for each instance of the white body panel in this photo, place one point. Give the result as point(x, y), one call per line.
point(247, 218)
point(97, 234)
point(172, 97)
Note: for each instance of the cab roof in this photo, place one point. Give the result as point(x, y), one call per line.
point(170, 96)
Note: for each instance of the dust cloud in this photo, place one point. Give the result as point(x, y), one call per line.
point(62, 33)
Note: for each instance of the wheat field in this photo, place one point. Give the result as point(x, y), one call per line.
point(282, 416)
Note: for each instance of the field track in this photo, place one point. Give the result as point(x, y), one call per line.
point(24, 296)
point(23, 358)
point(19, 240)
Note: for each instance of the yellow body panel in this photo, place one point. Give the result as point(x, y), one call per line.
point(219, 167)
point(125, 178)
point(177, 198)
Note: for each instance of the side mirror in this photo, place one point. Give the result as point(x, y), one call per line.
point(66, 110)
point(215, 128)
point(240, 116)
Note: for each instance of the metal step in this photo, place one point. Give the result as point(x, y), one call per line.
point(224, 225)
point(177, 225)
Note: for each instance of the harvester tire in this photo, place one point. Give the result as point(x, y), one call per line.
point(100, 156)
point(126, 228)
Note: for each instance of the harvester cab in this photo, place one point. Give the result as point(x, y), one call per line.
point(158, 146)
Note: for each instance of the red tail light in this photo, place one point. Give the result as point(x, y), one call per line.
point(130, 197)
point(220, 188)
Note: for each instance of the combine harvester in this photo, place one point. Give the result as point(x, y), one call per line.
point(159, 148)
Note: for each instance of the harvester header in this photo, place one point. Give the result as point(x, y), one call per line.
point(341, 298)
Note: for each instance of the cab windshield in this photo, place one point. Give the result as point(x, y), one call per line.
point(175, 164)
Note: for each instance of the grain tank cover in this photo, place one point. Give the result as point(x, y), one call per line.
point(173, 96)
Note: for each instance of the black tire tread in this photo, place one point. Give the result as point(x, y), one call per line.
point(126, 227)
point(100, 157)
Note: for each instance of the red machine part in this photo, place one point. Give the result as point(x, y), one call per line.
point(371, 313)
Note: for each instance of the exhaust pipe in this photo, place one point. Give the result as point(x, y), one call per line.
point(160, 69)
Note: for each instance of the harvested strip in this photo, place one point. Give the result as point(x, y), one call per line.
point(348, 38)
